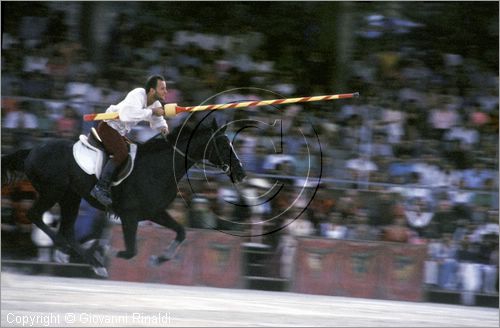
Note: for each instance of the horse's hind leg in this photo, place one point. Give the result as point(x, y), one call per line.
point(167, 221)
point(44, 203)
point(70, 205)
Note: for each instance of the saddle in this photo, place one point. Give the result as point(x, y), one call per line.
point(90, 155)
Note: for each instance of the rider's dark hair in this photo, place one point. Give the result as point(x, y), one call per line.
point(153, 81)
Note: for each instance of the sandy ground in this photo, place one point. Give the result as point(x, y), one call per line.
point(52, 301)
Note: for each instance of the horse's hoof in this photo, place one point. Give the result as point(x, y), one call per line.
point(100, 271)
point(61, 257)
point(125, 255)
point(90, 244)
point(154, 260)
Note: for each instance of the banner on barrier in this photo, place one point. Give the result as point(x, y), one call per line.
point(220, 260)
point(359, 269)
point(316, 267)
point(404, 272)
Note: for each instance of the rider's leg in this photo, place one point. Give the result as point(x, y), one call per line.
point(102, 189)
point(115, 145)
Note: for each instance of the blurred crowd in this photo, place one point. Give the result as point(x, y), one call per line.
point(413, 160)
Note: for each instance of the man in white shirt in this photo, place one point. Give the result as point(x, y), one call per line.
point(20, 119)
point(140, 104)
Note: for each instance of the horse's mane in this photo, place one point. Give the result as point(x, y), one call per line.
point(153, 145)
point(157, 143)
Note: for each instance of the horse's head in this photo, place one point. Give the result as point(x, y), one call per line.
point(219, 151)
point(205, 140)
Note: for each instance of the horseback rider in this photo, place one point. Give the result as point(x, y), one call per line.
point(140, 104)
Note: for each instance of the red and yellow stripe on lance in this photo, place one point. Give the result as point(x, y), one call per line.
point(172, 109)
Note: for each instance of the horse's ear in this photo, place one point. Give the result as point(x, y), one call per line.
point(215, 126)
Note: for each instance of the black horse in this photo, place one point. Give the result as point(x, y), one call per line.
point(144, 195)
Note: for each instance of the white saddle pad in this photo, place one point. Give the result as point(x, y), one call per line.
point(91, 159)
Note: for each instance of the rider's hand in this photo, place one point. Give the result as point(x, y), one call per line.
point(164, 131)
point(158, 111)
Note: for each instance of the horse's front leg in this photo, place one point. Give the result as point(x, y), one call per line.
point(164, 219)
point(129, 226)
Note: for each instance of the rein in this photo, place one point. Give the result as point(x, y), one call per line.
point(225, 168)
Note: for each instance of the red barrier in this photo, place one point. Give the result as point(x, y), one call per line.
point(220, 260)
point(322, 266)
point(152, 240)
point(182, 269)
point(404, 267)
point(132, 269)
point(206, 257)
point(359, 269)
point(316, 271)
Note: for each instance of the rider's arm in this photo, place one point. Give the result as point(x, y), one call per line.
point(158, 122)
point(133, 108)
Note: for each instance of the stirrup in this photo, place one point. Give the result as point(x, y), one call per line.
point(103, 196)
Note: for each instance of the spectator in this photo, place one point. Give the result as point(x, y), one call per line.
point(445, 218)
point(336, 229)
point(179, 212)
point(296, 227)
point(378, 147)
point(428, 170)
point(469, 273)
point(394, 121)
point(457, 155)
point(360, 168)
point(448, 265)
point(306, 162)
point(399, 169)
point(200, 216)
point(21, 118)
point(419, 215)
point(68, 126)
point(490, 227)
point(490, 282)
point(474, 178)
point(443, 117)
point(37, 84)
point(233, 211)
point(348, 203)
point(397, 231)
point(360, 229)
point(431, 265)
point(465, 134)
point(381, 208)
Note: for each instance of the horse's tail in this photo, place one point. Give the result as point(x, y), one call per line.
point(13, 165)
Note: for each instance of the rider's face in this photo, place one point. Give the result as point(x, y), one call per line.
point(161, 90)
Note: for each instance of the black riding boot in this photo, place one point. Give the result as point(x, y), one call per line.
point(102, 190)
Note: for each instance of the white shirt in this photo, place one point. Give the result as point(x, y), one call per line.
point(20, 119)
point(132, 110)
point(361, 164)
point(419, 219)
